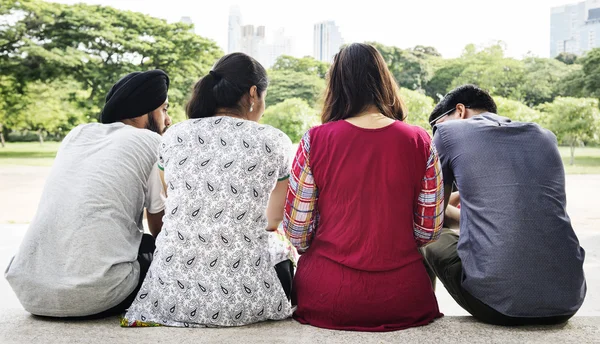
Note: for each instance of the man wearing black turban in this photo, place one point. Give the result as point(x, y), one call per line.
point(136, 95)
point(85, 254)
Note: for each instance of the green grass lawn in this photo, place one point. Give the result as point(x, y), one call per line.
point(28, 153)
point(587, 160)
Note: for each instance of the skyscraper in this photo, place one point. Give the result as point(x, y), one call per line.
point(279, 45)
point(234, 32)
point(252, 40)
point(327, 41)
point(574, 28)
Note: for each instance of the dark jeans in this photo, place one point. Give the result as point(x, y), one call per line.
point(145, 255)
point(285, 273)
point(442, 260)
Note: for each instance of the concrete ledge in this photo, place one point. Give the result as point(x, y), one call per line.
point(17, 326)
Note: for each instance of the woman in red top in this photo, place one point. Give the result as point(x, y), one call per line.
point(365, 193)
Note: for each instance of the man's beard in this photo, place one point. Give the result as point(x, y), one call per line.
point(153, 125)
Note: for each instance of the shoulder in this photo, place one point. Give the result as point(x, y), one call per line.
point(145, 134)
point(418, 132)
point(276, 136)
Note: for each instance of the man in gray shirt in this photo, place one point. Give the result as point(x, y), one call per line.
point(84, 254)
point(517, 260)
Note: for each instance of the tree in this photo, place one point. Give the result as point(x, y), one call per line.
point(567, 58)
point(418, 106)
point(443, 78)
point(10, 103)
point(50, 108)
point(490, 70)
point(293, 116)
point(426, 50)
point(97, 45)
point(573, 120)
point(541, 80)
point(288, 84)
point(591, 73)
point(517, 111)
point(412, 68)
point(306, 65)
point(573, 84)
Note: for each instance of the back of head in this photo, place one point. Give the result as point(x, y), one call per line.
point(470, 96)
point(226, 84)
point(134, 95)
point(359, 79)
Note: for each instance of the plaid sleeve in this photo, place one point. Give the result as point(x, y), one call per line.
point(429, 211)
point(301, 217)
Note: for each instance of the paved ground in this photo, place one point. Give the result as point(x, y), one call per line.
point(18, 327)
point(20, 190)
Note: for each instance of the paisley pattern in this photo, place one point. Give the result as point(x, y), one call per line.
point(214, 260)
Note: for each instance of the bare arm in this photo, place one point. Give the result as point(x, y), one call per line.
point(162, 179)
point(155, 203)
point(454, 199)
point(155, 222)
point(451, 212)
point(276, 205)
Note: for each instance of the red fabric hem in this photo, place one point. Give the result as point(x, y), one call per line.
point(380, 328)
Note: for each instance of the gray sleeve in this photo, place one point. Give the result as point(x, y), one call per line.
point(155, 199)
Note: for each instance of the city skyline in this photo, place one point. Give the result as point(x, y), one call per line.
point(574, 27)
point(327, 40)
point(262, 44)
point(447, 26)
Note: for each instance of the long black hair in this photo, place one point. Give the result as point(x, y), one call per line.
point(229, 80)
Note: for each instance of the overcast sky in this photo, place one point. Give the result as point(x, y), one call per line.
point(524, 25)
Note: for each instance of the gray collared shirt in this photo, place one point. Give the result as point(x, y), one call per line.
point(519, 252)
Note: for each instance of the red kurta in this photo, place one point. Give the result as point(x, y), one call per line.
point(363, 270)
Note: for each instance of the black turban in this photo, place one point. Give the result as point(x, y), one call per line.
point(135, 95)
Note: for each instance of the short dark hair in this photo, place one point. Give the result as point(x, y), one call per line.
point(358, 79)
point(229, 80)
point(470, 96)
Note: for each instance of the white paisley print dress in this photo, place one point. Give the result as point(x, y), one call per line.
point(214, 260)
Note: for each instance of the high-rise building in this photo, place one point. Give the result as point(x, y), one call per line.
point(574, 28)
point(252, 40)
point(234, 32)
point(280, 45)
point(327, 41)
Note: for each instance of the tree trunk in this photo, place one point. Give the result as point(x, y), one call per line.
point(2, 136)
point(572, 152)
point(39, 132)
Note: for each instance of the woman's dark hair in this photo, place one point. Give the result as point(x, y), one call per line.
point(229, 80)
point(359, 78)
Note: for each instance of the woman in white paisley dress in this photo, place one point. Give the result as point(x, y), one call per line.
point(219, 260)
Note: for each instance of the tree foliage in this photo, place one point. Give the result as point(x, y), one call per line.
point(293, 116)
point(287, 84)
point(567, 58)
point(412, 68)
point(95, 46)
point(418, 106)
point(575, 121)
point(517, 111)
point(306, 65)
